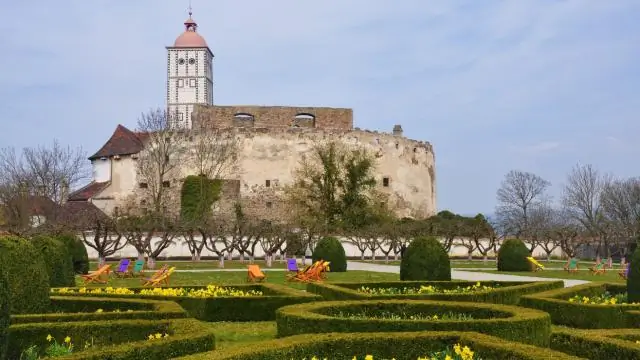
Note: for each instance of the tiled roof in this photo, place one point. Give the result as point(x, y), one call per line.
point(42, 205)
point(122, 142)
point(89, 191)
point(81, 214)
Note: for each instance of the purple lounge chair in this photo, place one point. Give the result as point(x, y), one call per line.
point(123, 268)
point(292, 265)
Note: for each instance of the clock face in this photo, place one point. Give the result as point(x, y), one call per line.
point(192, 61)
point(181, 61)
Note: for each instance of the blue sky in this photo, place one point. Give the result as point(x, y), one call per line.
point(535, 85)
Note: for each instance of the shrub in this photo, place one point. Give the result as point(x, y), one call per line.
point(197, 196)
point(78, 252)
point(4, 312)
point(27, 276)
point(512, 256)
point(399, 345)
point(633, 279)
point(507, 322)
point(425, 259)
point(597, 344)
point(58, 260)
point(331, 249)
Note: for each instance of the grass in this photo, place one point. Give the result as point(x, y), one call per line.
point(239, 277)
point(203, 264)
point(609, 276)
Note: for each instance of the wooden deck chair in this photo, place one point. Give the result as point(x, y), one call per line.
point(163, 278)
point(137, 268)
point(572, 265)
point(97, 275)
point(255, 274)
point(156, 274)
point(324, 269)
point(624, 272)
point(303, 275)
point(598, 268)
point(536, 266)
point(123, 268)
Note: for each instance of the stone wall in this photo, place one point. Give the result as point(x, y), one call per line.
point(273, 117)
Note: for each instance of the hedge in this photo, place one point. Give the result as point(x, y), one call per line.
point(74, 308)
point(4, 312)
point(117, 340)
point(78, 252)
point(507, 322)
point(230, 308)
point(58, 260)
point(425, 259)
point(597, 344)
point(26, 274)
point(506, 293)
point(585, 316)
point(398, 345)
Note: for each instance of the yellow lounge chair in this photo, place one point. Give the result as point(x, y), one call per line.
point(156, 274)
point(96, 275)
point(163, 278)
point(536, 265)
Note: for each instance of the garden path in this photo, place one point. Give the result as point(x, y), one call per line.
point(461, 274)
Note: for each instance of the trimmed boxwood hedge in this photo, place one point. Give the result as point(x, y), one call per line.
point(26, 274)
point(117, 339)
point(58, 260)
point(600, 344)
point(230, 308)
point(78, 252)
point(563, 312)
point(4, 312)
point(331, 249)
point(398, 345)
point(425, 259)
point(508, 322)
point(74, 308)
point(507, 292)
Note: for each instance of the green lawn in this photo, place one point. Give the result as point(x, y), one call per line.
point(239, 277)
point(609, 276)
point(203, 264)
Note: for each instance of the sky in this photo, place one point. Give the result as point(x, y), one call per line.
point(530, 85)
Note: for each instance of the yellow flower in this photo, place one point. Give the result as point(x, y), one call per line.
point(49, 337)
point(448, 357)
point(368, 357)
point(99, 310)
point(67, 339)
point(158, 335)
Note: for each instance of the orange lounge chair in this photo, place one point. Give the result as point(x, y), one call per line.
point(163, 278)
point(96, 275)
point(255, 274)
point(598, 268)
point(155, 275)
point(310, 273)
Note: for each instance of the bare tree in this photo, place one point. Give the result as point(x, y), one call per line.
point(542, 221)
point(480, 232)
point(214, 152)
point(621, 207)
point(518, 194)
point(160, 161)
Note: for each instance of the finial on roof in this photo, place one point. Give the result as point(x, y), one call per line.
point(190, 10)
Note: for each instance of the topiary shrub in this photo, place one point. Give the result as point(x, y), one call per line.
point(633, 279)
point(425, 259)
point(512, 256)
point(26, 274)
point(78, 251)
point(331, 249)
point(4, 313)
point(58, 260)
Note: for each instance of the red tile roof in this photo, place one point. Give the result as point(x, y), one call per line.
point(122, 142)
point(89, 191)
point(81, 214)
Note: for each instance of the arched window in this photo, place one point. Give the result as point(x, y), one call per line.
point(304, 120)
point(243, 120)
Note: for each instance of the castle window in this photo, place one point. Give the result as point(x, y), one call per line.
point(180, 83)
point(143, 185)
point(166, 184)
point(267, 183)
point(192, 61)
point(269, 204)
point(304, 120)
point(192, 82)
point(243, 120)
point(397, 145)
point(385, 181)
point(181, 61)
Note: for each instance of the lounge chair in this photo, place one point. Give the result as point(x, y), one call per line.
point(624, 273)
point(156, 275)
point(163, 278)
point(255, 274)
point(123, 268)
point(137, 268)
point(598, 268)
point(309, 273)
point(572, 265)
point(292, 265)
point(535, 264)
point(97, 275)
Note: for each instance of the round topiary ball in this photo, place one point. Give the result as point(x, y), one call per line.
point(633, 279)
point(425, 259)
point(512, 256)
point(26, 274)
point(4, 313)
point(58, 260)
point(78, 252)
point(331, 249)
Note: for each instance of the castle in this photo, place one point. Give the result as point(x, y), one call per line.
point(273, 139)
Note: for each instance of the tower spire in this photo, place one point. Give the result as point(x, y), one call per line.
point(190, 10)
point(190, 24)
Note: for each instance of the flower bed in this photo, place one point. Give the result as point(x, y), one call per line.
point(487, 291)
point(598, 344)
point(208, 291)
point(115, 339)
point(398, 345)
point(214, 308)
point(582, 306)
point(508, 322)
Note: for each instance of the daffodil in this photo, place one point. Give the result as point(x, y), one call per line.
point(49, 338)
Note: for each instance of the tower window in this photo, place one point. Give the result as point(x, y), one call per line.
point(267, 183)
point(180, 83)
point(192, 82)
point(385, 181)
point(166, 184)
point(181, 61)
point(269, 204)
point(143, 185)
point(192, 61)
